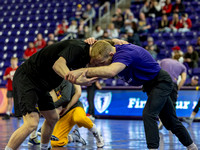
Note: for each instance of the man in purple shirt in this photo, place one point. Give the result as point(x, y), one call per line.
point(137, 67)
point(175, 69)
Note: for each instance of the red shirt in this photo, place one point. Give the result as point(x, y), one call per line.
point(61, 31)
point(9, 71)
point(188, 22)
point(40, 44)
point(168, 8)
point(30, 51)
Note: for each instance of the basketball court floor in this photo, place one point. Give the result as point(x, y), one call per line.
point(118, 135)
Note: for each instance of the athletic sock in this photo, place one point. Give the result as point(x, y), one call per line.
point(153, 149)
point(8, 148)
point(93, 129)
point(192, 147)
point(33, 134)
point(44, 146)
point(72, 138)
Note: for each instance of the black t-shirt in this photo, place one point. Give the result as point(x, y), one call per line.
point(39, 66)
point(65, 91)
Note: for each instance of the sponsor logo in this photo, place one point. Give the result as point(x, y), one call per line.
point(102, 101)
point(138, 103)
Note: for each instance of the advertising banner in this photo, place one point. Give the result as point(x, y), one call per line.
point(132, 102)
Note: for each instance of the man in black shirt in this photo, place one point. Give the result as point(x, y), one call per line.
point(33, 81)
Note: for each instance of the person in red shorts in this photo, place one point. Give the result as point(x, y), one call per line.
point(39, 42)
point(30, 50)
point(9, 73)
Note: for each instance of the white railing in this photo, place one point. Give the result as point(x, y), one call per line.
point(118, 2)
point(89, 19)
point(106, 5)
point(68, 36)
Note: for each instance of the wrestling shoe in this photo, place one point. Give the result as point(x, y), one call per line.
point(99, 139)
point(6, 117)
point(77, 137)
point(188, 121)
point(33, 141)
point(53, 138)
point(91, 117)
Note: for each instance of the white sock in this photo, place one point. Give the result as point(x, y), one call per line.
point(70, 138)
point(153, 149)
point(192, 147)
point(8, 148)
point(44, 146)
point(192, 116)
point(33, 134)
point(8, 113)
point(93, 129)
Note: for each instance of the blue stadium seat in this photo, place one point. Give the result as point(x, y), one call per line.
point(183, 43)
point(167, 36)
point(170, 44)
point(195, 4)
point(193, 42)
point(196, 71)
point(178, 36)
point(190, 35)
point(120, 82)
point(160, 43)
point(108, 82)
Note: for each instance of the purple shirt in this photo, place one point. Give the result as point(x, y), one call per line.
point(141, 67)
point(173, 67)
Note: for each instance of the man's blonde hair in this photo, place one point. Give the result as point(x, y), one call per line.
point(14, 58)
point(101, 49)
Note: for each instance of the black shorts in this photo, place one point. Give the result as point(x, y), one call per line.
point(28, 96)
point(9, 94)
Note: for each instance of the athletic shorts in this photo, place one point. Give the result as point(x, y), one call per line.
point(27, 96)
point(9, 94)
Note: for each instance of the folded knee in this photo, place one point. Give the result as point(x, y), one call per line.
point(31, 121)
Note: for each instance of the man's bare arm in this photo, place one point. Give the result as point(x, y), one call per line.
point(92, 40)
point(119, 42)
point(183, 78)
point(60, 67)
point(74, 99)
point(53, 95)
point(106, 71)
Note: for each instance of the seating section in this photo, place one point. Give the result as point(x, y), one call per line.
point(21, 20)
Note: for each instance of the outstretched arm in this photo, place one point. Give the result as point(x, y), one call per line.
point(183, 78)
point(74, 99)
point(101, 72)
point(105, 71)
point(92, 40)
